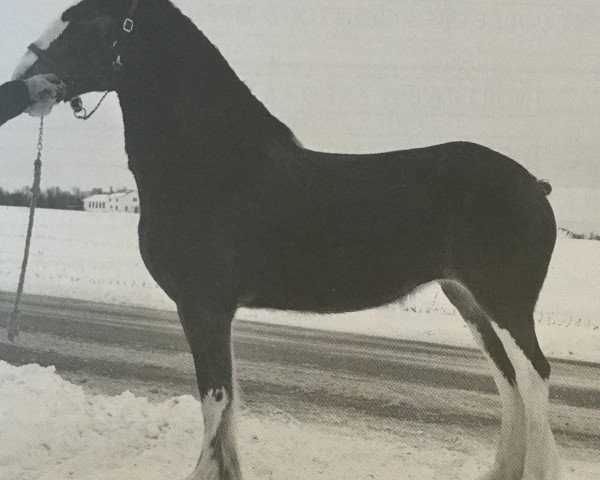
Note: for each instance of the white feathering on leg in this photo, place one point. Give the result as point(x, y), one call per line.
point(510, 456)
point(541, 459)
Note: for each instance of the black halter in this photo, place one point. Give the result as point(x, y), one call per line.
point(122, 41)
point(73, 76)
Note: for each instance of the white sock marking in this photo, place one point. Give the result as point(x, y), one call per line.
point(212, 411)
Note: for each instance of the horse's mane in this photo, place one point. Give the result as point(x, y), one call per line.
point(215, 72)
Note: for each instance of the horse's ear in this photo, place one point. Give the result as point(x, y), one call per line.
point(118, 7)
point(83, 10)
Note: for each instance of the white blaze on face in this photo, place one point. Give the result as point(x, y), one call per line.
point(43, 103)
point(54, 30)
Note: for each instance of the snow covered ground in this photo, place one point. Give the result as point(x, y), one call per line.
point(94, 256)
point(53, 430)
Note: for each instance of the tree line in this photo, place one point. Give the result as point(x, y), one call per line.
point(53, 198)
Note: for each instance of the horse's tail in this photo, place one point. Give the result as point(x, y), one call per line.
point(545, 186)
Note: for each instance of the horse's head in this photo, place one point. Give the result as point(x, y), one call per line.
point(80, 46)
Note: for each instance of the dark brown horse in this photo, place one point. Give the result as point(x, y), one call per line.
point(235, 213)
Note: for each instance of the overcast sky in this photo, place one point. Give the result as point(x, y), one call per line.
point(522, 77)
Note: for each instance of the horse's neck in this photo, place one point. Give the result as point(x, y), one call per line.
point(179, 89)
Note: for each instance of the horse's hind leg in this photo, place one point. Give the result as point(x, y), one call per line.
point(504, 321)
point(207, 327)
point(532, 373)
point(510, 456)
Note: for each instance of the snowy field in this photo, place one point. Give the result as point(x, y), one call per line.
point(94, 256)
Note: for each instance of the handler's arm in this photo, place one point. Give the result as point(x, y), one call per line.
point(14, 100)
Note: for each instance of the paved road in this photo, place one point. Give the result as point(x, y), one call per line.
point(289, 368)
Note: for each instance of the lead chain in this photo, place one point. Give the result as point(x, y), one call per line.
point(13, 323)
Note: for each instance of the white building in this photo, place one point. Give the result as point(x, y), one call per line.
point(127, 202)
point(96, 203)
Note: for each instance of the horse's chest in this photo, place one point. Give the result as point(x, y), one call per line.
point(187, 245)
point(154, 251)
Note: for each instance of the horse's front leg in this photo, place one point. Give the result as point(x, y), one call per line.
point(207, 325)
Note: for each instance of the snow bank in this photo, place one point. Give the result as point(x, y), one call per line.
point(52, 430)
point(95, 256)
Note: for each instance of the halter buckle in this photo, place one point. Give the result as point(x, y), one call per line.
point(128, 25)
point(117, 64)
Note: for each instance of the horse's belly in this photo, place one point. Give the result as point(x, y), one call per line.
point(349, 286)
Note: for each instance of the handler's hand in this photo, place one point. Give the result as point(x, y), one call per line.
point(45, 91)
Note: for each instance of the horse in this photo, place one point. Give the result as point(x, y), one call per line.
point(235, 212)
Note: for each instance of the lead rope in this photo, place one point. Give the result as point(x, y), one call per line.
point(13, 323)
point(80, 112)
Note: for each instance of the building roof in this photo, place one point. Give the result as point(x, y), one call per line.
point(101, 197)
point(117, 195)
point(121, 194)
